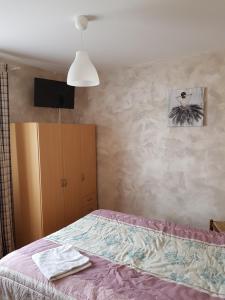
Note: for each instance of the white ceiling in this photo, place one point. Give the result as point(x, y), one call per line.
point(123, 32)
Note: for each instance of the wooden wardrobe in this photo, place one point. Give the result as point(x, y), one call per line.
point(54, 176)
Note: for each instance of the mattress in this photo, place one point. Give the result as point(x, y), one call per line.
point(132, 258)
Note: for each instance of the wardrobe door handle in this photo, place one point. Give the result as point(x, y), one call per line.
point(82, 177)
point(62, 182)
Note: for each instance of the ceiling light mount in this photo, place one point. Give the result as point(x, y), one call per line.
point(81, 22)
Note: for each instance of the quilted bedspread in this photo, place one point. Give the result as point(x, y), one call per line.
point(132, 258)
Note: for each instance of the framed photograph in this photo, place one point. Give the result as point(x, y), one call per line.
point(186, 107)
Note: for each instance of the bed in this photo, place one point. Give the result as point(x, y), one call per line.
point(132, 258)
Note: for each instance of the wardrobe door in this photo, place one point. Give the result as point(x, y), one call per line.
point(51, 177)
point(88, 160)
point(71, 170)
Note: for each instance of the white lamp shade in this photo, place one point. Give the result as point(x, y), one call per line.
point(82, 72)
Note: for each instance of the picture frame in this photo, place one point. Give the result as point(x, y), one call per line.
point(186, 107)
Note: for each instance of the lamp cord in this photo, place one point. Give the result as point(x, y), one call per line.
point(59, 115)
point(82, 40)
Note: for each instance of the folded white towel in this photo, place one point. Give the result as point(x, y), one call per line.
point(61, 261)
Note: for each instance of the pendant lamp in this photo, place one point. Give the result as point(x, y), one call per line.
point(82, 72)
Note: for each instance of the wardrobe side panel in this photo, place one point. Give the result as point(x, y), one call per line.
point(26, 183)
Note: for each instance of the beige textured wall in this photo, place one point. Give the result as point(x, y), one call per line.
point(21, 97)
point(146, 168)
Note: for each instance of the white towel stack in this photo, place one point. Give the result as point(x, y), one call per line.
point(61, 261)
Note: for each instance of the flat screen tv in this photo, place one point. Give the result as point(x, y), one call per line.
point(52, 93)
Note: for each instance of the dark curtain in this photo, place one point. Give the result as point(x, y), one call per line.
point(6, 205)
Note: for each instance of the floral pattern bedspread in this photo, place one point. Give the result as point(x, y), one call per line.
point(194, 263)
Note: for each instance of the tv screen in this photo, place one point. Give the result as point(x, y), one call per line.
point(52, 93)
